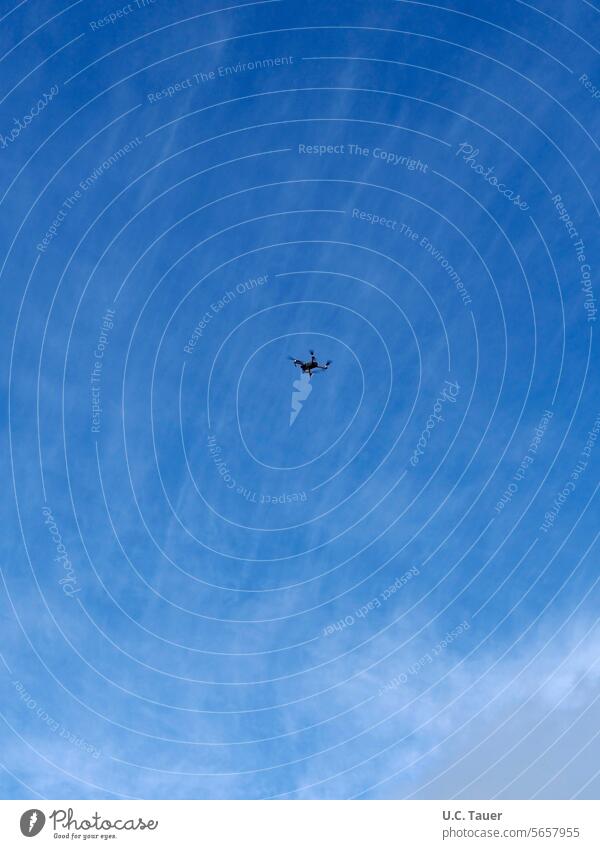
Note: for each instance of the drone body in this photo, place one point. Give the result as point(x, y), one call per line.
point(311, 365)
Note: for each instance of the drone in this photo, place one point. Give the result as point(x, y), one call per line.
point(310, 365)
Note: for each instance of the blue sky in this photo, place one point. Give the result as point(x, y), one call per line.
point(395, 596)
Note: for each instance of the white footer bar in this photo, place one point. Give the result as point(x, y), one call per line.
point(302, 824)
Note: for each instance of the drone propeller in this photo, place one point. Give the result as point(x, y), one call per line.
point(329, 362)
point(311, 352)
